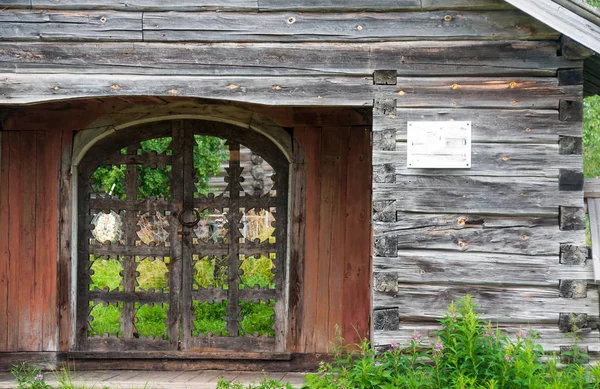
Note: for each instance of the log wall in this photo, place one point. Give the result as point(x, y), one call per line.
point(508, 231)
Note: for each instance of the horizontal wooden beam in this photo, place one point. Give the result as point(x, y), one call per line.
point(518, 58)
point(255, 5)
point(489, 126)
point(539, 92)
point(270, 27)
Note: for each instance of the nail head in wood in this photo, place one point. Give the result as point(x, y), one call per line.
point(386, 320)
point(384, 211)
point(386, 246)
point(570, 77)
point(570, 111)
point(572, 289)
point(573, 255)
point(570, 145)
point(571, 218)
point(385, 77)
point(384, 107)
point(567, 322)
point(570, 180)
point(384, 140)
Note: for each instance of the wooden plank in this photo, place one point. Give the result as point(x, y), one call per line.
point(310, 139)
point(357, 259)
point(4, 236)
point(421, 302)
point(16, 3)
point(444, 267)
point(334, 27)
point(594, 212)
point(493, 159)
point(46, 210)
point(527, 236)
point(489, 126)
point(66, 297)
point(550, 337)
point(539, 92)
point(30, 324)
point(421, 58)
point(465, 4)
point(148, 5)
point(591, 188)
point(562, 19)
point(72, 26)
point(339, 5)
point(478, 195)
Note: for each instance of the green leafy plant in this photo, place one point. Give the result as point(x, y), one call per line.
point(29, 376)
point(265, 384)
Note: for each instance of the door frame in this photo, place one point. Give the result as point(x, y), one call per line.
point(243, 118)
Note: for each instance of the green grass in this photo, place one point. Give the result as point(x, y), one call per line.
point(591, 137)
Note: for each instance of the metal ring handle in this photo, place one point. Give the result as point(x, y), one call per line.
point(189, 224)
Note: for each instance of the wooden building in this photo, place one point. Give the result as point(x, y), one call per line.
point(323, 92)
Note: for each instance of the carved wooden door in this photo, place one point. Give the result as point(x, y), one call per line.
point(182, 240)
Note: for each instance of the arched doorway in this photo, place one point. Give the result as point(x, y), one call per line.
point(182, 240)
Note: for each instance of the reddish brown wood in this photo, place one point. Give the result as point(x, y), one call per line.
point(310, 139)
point(357, 258)
point(4, 251)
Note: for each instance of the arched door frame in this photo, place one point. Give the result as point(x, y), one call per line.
point(236, 116)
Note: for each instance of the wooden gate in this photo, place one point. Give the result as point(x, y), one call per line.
point(182, 240)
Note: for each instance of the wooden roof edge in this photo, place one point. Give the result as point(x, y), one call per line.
point(572, 18)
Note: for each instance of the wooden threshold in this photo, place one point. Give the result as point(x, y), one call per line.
point(178, 355)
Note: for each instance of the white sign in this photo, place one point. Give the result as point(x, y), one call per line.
point(439, 145)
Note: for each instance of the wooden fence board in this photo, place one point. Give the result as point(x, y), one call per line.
point(420, 302)
point(493, 159)
point(56, 25)
point(357, 263)
point(333, 27)
point(497, 126)
point(4, 247)
point(519, 58)
point(339, 5)
point(538, 92)
point(478, 195)
point(444, 267)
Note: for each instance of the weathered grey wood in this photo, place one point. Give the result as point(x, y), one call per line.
point(477, 195)
point(591, 188)
point(567, 354)
point(536, 305)
point(51, 25)
point(489, 126)
point(384, 211)
point(16, 3)
point(564, 20)
point(465, 4)
point(570, 145)
point(386, 319)
point(423, 58)
point(594, 212)
point(148, 5)
point(571, 111)
point(570, 180)
point(527, 236)
point(572, 218)
point(573, 289)
point(550, 336)
point(570, 77)
point(385, 77)
point(347, 91)
point(339, 5)
point(493, 159)
point(443, 267)
point(332, 27)
point(568, 321)
point(573, 255)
